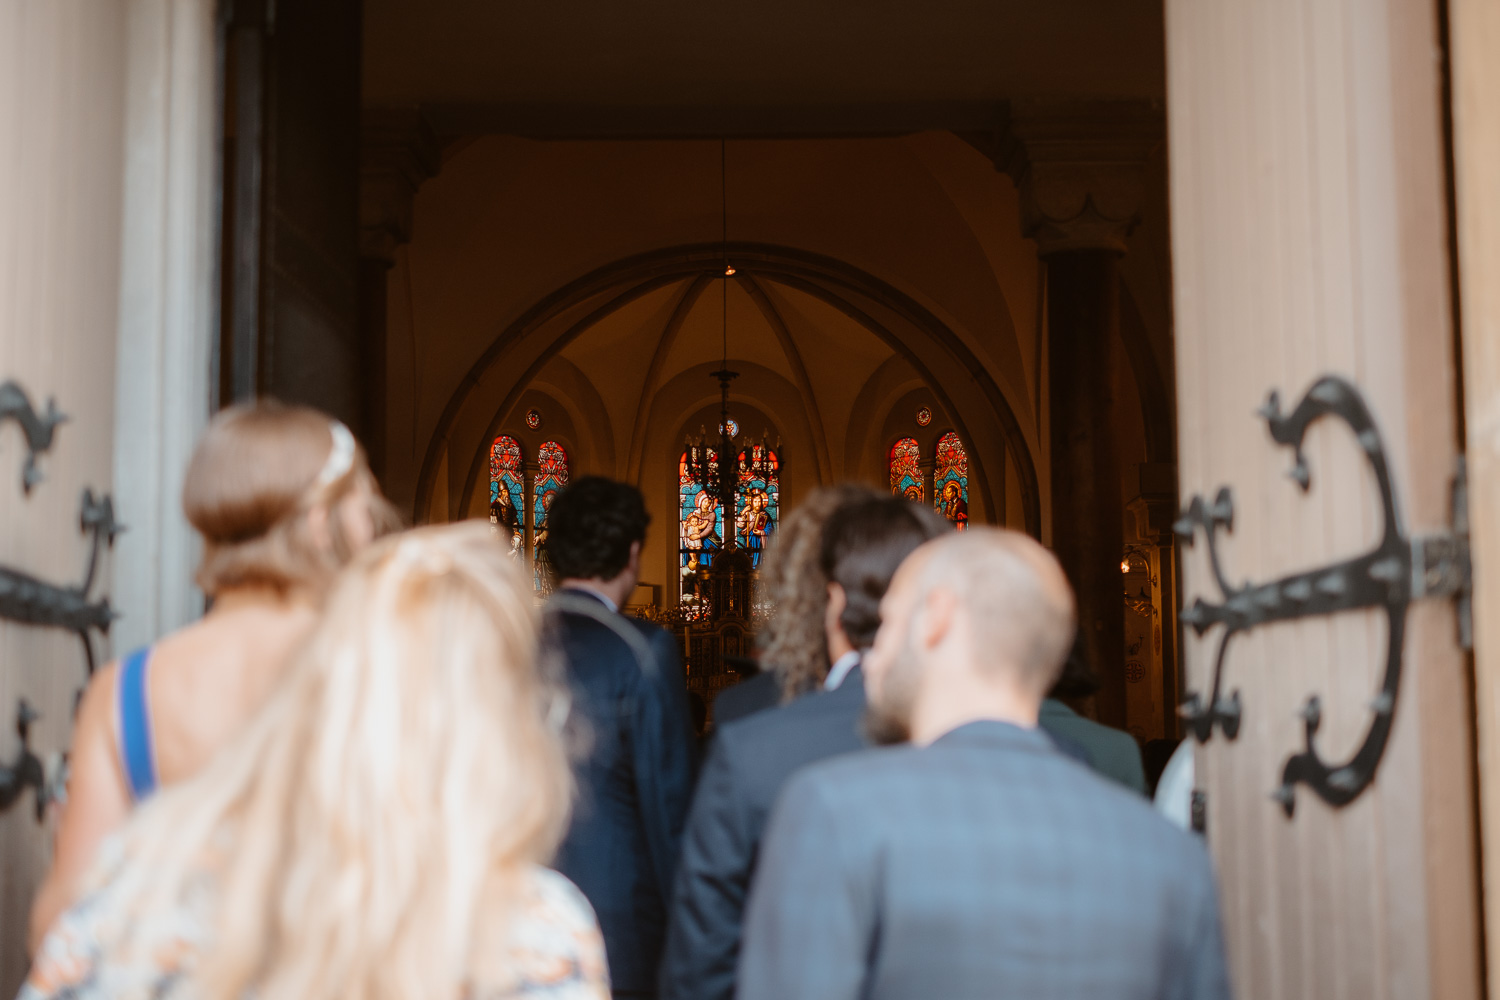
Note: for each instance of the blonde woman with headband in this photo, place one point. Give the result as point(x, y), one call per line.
point(377, 833)
point(282, 497)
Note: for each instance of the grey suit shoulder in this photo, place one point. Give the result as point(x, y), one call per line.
point(748, 764)
point(985, 864)
point(747, 698)
point(772, 745)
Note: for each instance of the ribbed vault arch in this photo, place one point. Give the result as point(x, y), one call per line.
point(850, 290)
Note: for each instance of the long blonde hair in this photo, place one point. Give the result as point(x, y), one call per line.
point(355, 836)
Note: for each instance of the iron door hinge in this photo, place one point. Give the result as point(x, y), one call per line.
point(1396, 571)
point(1441, 564)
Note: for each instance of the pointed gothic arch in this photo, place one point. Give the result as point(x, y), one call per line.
point(857, 294)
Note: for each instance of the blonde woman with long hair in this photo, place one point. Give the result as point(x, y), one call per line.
point(376, 834)
point(282, 497)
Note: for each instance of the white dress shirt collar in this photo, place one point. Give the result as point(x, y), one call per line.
point(840, 669)
point(603, 598)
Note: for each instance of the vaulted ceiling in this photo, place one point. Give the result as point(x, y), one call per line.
point(622, 360)
point(683, 67)
point(861, 136)
point(775, 332)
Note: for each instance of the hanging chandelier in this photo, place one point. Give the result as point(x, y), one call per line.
point(719, 466)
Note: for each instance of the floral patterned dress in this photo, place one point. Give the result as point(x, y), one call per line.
point(557, 952)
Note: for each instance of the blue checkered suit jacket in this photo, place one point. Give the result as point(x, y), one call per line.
point(985, 865)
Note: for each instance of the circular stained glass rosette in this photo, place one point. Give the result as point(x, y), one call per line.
point(733, 427)
point(924, 416)
point(533, 419)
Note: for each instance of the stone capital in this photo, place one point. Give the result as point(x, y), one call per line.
point(1080, 169)
point(398, 151)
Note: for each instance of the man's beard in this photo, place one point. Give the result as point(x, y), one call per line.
point(888, 721)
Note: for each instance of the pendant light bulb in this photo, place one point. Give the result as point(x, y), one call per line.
point(728, 270)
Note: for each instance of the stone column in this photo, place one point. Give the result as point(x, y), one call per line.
point(398, 151)
point(1079, 169)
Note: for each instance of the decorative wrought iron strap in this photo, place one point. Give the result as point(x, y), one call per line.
point(1389, 576)
point(26, 771)
point(38, 427)
point(26, 599)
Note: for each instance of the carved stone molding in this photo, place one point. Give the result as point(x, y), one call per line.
point(398, 151)
point(1080, 169)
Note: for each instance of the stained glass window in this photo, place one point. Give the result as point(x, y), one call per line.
point(759, 503)
point(906, 469)
point(508, 493)
point(701, 518)
point(700, 531)
point(950, 481)
point(551, 476)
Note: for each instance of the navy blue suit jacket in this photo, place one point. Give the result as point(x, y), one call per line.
point(635, 784)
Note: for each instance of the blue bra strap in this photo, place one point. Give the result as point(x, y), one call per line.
point(135, 726)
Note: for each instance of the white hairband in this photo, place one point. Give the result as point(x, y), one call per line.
point(340, 457)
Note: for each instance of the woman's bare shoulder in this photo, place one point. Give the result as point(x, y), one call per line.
point(94, 735)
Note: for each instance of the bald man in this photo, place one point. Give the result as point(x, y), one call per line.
point(978, 861)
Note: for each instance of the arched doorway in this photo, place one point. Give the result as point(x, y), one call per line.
point(980, 408)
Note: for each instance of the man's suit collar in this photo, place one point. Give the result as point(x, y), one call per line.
point(853, 685)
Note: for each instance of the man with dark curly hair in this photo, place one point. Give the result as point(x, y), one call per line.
point(630, 707)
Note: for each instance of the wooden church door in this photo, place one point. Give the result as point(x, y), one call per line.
point(107, 201)
point(1474, 33)
point(61, 157)
point(1320, 436)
